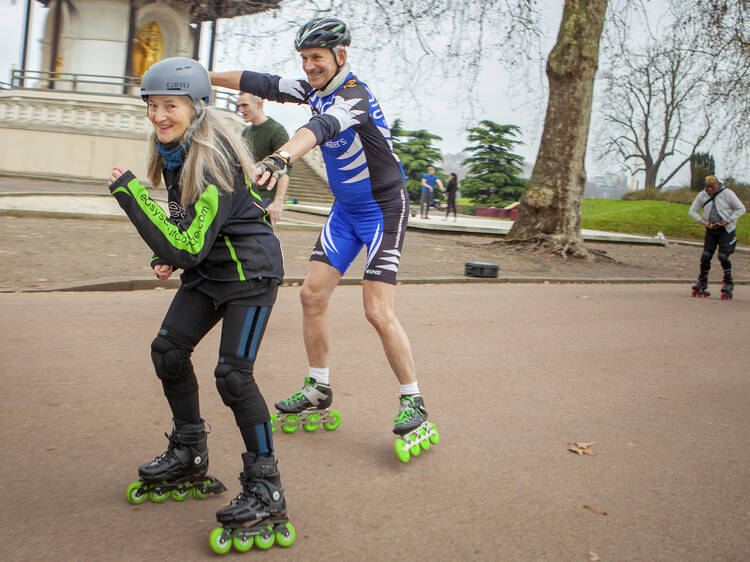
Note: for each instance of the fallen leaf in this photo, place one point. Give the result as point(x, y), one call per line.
point(581, 448)
point(593, 557)
point(594, 510)
point(50, 449)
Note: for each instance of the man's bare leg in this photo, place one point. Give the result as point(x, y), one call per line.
point(378, 300)
point(317, 289)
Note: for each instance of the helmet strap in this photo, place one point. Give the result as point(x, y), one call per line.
point(200, 114)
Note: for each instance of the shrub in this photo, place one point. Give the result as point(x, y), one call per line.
point(683, 195)
point(642, 194)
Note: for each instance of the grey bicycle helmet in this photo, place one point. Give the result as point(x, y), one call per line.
point(177, 75)
point(322, 32)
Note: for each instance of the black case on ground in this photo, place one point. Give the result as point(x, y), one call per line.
point(480, 269)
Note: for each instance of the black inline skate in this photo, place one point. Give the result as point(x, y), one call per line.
point(307, 408)
point(258, 514)
point(179, 471)
point(699, 289)
point(727, 289)
point(412, 425)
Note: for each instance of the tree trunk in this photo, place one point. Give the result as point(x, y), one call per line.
point(550, 209)
point(650, 181)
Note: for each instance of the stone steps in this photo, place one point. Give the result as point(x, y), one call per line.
point(306, 186)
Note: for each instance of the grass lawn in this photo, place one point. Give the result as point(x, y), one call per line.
point(649, 217)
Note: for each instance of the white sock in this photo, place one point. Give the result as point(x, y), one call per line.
point(409, 389)
point(320, 374)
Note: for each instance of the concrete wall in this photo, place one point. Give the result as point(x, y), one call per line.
point(75, 137)
point(79, 137)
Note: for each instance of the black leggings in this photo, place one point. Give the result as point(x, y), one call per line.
point(190, 317)
point(726, 242)
point(451, 205)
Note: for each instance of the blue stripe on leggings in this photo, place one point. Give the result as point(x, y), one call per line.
point(265, 445)
point(259, 327)
point(249, 319)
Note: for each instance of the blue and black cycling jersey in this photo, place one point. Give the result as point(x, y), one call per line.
point(364, 173)
point(351, 131)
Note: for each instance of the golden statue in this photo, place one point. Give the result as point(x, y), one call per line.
point(148, 45)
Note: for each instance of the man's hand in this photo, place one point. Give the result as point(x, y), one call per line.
point(274, 210)
point(163, 271)
point(270, 169)
point(117, 171)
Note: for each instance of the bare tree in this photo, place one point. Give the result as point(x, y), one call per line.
point(550, 209)
point(412, 42)
point(417, 37)
point(653, 104)
point(720, 30)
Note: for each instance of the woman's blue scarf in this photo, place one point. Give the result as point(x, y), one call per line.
point(173, 157)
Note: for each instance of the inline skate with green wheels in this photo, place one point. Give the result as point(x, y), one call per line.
point(416, 433)
point(179, 471)
point(257, 516)
point(308, 408)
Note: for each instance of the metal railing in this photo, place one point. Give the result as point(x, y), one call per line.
point(101, 84)
point(73, 82)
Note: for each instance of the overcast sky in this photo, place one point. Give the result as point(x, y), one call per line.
point(441, 110)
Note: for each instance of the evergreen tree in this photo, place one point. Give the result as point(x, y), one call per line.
point(701, 165)
point(493, 168)
point(415, 150)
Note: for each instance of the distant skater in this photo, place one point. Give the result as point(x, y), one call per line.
point(720, 209)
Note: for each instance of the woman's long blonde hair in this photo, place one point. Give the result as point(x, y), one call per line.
point(215, 152)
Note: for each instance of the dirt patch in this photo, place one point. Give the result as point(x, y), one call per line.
point(39, 253)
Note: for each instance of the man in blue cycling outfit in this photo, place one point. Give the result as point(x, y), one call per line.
point(371, 207)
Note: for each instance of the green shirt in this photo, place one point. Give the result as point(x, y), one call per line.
point(265, 138)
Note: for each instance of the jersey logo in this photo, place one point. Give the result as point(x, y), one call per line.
point(349, 83)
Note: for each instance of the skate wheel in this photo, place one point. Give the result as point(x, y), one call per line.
point(285, 535)
point(200, 492)
point(415, 450)
point(425, 441)
point(157, 496)
point(134, 494)
point(180, 494)
point(290, 428)
point(264, 543)
point(402, 450)
point(219, 541)
point(274, 419)
point(330, 426)
point(242, 544)
point(434, 438)
point(312, 426)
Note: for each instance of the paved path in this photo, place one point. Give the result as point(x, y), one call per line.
point(511, 374)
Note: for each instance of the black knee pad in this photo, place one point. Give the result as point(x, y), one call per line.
point(233, 376)
point(171, 362)
point(706, 256)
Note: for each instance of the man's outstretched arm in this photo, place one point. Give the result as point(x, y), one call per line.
point(229, 79)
